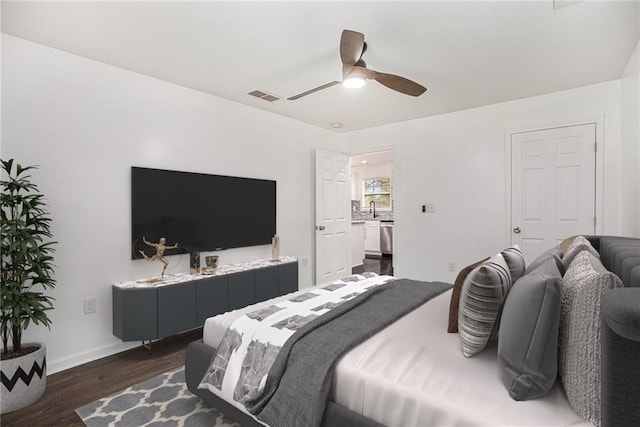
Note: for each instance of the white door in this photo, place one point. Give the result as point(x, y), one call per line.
point(372, 237)
point(552, 186)
point(333, 216)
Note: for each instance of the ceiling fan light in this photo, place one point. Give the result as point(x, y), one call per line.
point(354, 82)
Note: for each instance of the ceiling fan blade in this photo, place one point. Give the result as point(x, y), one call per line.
point(351, 46)
point(363, 72)
point(315, 89)
point(348, 70)
point(400, 84)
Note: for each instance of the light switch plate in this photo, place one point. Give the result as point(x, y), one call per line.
point(89, 305)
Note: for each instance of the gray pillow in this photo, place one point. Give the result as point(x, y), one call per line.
point(483, 293)
point(515, 261)
point(555, 253)
point(579, 244)
point(528, 335)
point(583, 286)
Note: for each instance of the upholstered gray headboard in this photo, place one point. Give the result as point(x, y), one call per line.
point(620, 255)
point(620, 339)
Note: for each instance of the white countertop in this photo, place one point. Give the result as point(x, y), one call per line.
point(172, 279)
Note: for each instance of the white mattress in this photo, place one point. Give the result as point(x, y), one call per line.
point(413, 373)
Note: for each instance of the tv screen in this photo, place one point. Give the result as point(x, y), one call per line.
point(200, 212)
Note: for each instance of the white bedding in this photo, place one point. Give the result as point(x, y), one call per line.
point(413, 374)
point(215, 327)
point(240, 368)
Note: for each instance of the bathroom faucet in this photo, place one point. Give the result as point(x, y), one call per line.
point(374, 207)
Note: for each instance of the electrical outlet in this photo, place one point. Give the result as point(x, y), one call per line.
point(89, 305)
point(430, 208)
point(452, 266)
point(305, 261)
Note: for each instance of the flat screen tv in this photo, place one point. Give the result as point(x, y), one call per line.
point(200, 212)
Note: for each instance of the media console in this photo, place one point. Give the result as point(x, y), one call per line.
point(145, 310)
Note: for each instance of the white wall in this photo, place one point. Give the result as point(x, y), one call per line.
point(86, 124)
point(630, 149)
point(458, 161)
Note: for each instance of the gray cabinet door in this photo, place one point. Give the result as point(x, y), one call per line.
point(266, 283)
point(176, 308)
point(242, 289)
point(212, 297)
point(287, 278)
point(135, 315)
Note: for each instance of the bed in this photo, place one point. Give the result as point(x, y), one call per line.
point(412, 373)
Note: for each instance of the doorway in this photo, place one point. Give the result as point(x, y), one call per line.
point(372, 212)
point(553, 186)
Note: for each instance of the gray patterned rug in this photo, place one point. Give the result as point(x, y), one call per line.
point(161, 401)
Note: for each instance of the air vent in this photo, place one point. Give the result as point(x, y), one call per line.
point(264, 95)
point(557, 4)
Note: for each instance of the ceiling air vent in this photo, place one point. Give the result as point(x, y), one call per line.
point(557, 4)
point(264, 95)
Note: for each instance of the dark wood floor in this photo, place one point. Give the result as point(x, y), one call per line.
point(377, 265)
point(83, 384)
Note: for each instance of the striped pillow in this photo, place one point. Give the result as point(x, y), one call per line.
point(452, 326)
point(483, 294)
point(515, 261)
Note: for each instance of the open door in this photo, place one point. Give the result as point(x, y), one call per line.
point(333, 216)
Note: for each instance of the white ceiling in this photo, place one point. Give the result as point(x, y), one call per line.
point(467, 54)
point(372, 159)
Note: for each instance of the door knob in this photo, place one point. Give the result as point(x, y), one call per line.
point(320, 227)
point(517, 230)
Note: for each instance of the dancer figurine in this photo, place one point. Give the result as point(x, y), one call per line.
point(159, 256)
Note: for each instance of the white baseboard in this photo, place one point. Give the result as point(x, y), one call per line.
point(77, 359)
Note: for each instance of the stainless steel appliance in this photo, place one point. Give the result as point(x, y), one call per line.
point(386, 237)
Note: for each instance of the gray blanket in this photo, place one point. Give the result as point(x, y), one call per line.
point(299, 382)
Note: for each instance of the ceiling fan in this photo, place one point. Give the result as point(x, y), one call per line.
point(355, 71)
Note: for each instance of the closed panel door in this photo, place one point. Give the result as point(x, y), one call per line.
point(287, 278)
point(333, 216)
point(372, 237)
point(135, 314)
point(242, 289)
point(212, 297)
point(176, 309)
point(266, 283)
point(552, 186)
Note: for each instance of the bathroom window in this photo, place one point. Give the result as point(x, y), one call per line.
point(377, 190)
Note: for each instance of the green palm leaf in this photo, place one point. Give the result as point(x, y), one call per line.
point(27, 266)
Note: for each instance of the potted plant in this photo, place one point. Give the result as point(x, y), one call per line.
point(26, 271)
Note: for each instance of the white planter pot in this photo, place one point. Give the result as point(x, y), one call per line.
point(23, 379)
